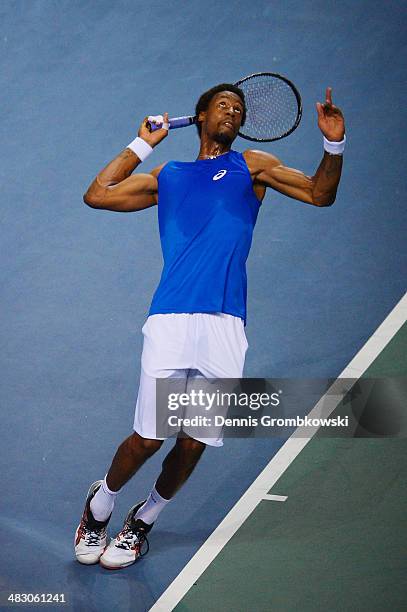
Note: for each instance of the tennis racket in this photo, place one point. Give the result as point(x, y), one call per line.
point(273, 108)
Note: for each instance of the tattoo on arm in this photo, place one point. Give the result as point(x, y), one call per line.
point(119, 168)
point(126, 153)
point(115, 172)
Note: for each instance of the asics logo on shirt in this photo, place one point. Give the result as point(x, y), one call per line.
point(219, 175)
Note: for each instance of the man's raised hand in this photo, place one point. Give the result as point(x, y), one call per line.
point(330, 118)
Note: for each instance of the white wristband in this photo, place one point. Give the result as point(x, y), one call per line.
point(141, 148)
point(334, 147)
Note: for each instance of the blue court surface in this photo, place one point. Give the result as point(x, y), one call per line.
point(76, 80)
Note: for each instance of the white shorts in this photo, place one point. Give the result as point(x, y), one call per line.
point(187, 346)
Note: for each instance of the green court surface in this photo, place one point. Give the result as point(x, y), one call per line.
point(338, 542)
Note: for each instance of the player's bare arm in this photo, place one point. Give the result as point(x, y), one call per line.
point(115, 188)
point(320, 189)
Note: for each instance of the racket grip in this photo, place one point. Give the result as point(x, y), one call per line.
point(176, 122)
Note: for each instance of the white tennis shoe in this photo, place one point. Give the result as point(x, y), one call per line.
point(91, 535)
point(128, 545)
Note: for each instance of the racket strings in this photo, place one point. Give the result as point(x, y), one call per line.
point(272, 108)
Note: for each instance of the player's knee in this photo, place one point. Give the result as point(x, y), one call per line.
point(145, 445)
point(189, 450)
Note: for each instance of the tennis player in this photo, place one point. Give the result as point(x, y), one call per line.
point(207, 211)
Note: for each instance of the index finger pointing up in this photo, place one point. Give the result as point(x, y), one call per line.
point(328, 95)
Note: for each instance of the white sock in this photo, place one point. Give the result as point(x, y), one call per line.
point(152, 507)
point(102, 502)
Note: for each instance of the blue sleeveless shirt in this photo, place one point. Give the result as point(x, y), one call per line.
point(207, 211)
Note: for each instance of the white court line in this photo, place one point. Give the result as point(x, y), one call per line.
point(258, 490)
point(275, 497)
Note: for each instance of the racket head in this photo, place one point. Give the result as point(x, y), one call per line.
point(273, 107)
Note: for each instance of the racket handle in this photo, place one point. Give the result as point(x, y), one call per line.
point(176, 122)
